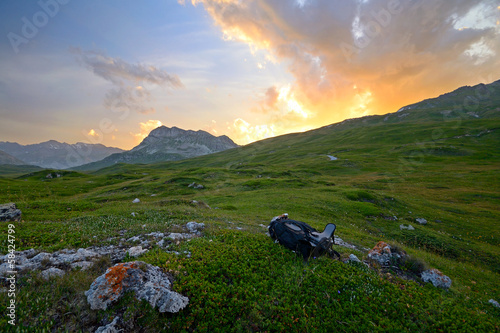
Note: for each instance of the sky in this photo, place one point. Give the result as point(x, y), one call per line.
point(109, 72)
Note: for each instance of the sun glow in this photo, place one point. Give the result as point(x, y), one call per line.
point(292, 105)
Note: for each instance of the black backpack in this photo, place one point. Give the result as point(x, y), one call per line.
point(302, 238)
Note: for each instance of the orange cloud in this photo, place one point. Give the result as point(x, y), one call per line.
point(93, 133)
point(145, 129)
point(395, 52)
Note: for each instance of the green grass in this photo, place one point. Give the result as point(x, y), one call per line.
point(238, 279)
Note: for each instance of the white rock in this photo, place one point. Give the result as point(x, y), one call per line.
point(178, 236)
point(494, 303)
point(136, 200)
point(83, 265)
point(109, 328)
point(421, 220)
point(194, 227)
point(409, 227)
point(353, 258)
point(136, 251)
point(52, 272)
point(437, 278)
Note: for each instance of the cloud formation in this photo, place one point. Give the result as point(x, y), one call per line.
point(145, 129)
point(353, 58)
point(129, 80)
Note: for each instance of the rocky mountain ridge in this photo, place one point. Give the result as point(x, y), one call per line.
point(57, 155)
point(167, 144)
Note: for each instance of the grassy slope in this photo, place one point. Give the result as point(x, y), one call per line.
point(445, 171)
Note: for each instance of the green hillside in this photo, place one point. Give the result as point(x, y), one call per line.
point(439, 162)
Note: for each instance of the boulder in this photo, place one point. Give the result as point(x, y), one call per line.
point(148, 282)
point(437, 278)
point(382, 253)
point(9, 212)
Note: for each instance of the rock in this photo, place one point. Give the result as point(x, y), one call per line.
point(161, 243)
point(156, 234)
point(148, 283)
point(196, 186)
point(134, 239)
point(437, 278)
point(110, 328)
point(83, 265)
point(52, 272)
point(136, 251)
point(177, 236)
point(494, 303)
point(194, 227)
point(9, 213)
point(421, 220)
point(353, 258)
point(136, 200)
point(409, 227)
point(382, 253)
point(133, 214)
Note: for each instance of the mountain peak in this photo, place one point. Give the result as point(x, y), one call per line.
point(168, 144)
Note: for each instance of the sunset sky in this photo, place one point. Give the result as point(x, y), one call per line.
point(111, 71)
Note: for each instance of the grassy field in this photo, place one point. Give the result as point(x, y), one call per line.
point(387, 173)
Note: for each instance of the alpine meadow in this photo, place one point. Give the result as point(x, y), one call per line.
point(436, 160)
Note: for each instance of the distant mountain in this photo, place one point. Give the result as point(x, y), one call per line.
point(167, 144)
point(57, 155)
point(9, 159)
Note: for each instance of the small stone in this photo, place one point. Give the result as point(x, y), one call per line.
point(83, 265)
point(136, 200)
point(110, 328)
point(353, 258)
point(437, 278)
point(136, 251)
point(194, 227)
point(409, 227)
point(421, 220)
point(133, 214)
point(494, 303)
point(52, 272)
point(9, 213)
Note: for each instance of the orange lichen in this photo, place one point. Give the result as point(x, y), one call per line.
point(381, 247)
point(116, 274)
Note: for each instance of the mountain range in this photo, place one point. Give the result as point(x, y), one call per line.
point(55, 155)
point(172, 144)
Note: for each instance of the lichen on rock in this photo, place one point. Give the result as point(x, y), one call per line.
point(148, 282)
